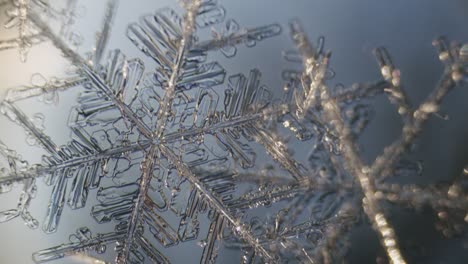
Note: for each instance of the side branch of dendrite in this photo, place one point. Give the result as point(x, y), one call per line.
point(189, 25)
point(332, 115)
point(147, 168)
point(94, 77)
point(236, 224)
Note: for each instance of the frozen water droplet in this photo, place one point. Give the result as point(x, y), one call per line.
point(202, 243)
point(100, 249)
point(6, 187)
point(465, 170)
point(38, 80)
point(33, 223)
point(464, 52)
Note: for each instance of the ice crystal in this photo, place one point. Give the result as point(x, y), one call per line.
point(176, 154)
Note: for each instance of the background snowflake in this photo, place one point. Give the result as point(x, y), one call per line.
point(183, 154)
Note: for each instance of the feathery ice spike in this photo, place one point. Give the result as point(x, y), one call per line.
point(183, 154)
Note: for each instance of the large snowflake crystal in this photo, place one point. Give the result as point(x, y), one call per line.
point(185, 156)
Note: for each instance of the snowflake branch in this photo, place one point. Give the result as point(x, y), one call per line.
point(332, 115)
point(447, 196)
point(184, 46)
point(125, 110)
point(216, 203)
point(13, 43)
point(235, 38)
point(36, 171)
point(147, 167)
point(17, 116)
point(94, 77)
point(392, 75)
point(383, 164)
point(73, 248)
point(46, 31)
point(277, 150)
point(52, 86)
point(103, 35)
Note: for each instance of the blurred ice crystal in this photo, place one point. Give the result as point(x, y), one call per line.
point(187, 153)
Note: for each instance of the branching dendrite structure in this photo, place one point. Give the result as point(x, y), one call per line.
point(175, 153)
point(371, 177)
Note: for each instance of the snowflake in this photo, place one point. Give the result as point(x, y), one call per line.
point(185, 154)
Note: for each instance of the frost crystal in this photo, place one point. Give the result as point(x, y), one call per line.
point(186, 153)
